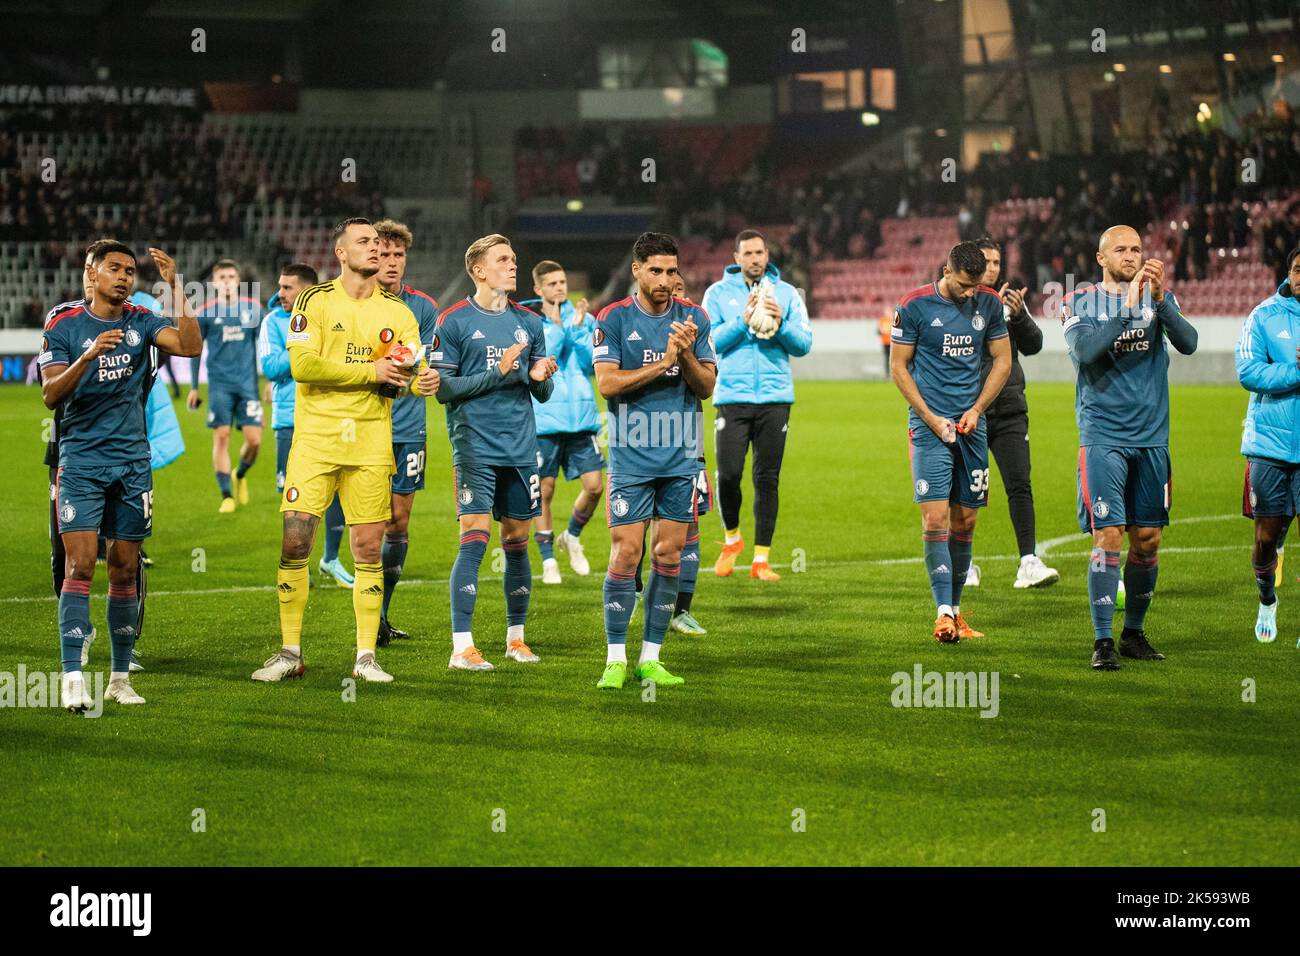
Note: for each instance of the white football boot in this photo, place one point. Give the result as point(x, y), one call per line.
point(1034, 574)
point(279, 666)
point(577, 557)
point(73, 692)
point(550, 571)
point(973, 576)
point(120, 690)
point(368, 669)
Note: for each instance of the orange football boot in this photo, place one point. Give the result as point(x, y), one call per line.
point(945, 630)
point(727, 559)
point(964, 630)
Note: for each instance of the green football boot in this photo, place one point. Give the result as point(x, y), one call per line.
point(614, 676)
point(655, 671)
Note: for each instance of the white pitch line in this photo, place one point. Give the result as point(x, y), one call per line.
point(429, 582)
point(1045, 547)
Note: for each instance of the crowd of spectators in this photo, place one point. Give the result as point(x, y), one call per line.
point(140, 172)
point(1199, 184)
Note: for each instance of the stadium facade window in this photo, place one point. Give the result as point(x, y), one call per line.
point(884, 95)
point(657, 63)
point(830, 91)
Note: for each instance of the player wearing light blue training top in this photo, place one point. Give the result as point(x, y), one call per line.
point(229, 323)
point(491, 354)
point(1268, 366)
point(409, 432)
point(568, 424)
point(936, 348)
point(654, 363)
point(1116, 333)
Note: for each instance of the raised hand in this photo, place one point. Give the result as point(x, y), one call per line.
point(1013, 299)
point(1155, 273)
point(580, 312)
point(165, 263)
point(674, 348)
point(510, 357)
point(105, 342)
point(543, 369)
point(687, 331)
point(1133, 298)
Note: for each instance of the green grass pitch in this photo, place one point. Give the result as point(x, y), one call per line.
point(787, 705)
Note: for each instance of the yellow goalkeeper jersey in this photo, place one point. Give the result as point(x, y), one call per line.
point(333, 342)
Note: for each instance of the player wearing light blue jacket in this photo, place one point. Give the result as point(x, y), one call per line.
point(1268, 366)
point(568, 423)
point(273, 361)
point(755, 391)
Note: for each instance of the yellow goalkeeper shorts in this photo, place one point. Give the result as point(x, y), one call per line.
point(365, 491)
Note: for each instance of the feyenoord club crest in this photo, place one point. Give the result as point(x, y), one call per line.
point(298, 323)
point(1253, 500)
point(1100, 508)
point(977, 322)
point(922, 486)
point(466, 496)
point(385, 335)
point(521, 336)
point(291, 495)
point(132, 337)
point(67, 512)
point(619, 506)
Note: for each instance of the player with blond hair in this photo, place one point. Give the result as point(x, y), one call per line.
point(491, 353)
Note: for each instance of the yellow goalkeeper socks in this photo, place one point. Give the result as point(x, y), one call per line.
point(760, 554)
point(367, 600)
point(292, 582)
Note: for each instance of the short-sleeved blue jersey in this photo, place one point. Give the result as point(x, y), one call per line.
point(1121, 396)
point(230, 331)
point(102, 421)
point(657, 430)
point(409, 410)
point(497, 427)
point(949, 338)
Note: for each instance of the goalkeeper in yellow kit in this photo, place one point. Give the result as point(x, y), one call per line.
point(352, 346)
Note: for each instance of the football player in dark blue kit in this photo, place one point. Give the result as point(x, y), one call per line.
point(936, 346)
point(1116, 332)
point(491, 356)
point(409, 431)
point(654, 364)
point(89, 358)
point(229, 324)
